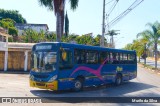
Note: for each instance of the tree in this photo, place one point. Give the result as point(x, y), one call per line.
point(58, 6)
point(128, 46)
point(137, 45)
point(12, 14)
point(85, 39)
point(153, 36)
point(14, 32)
point(112, 33)
point(66, 25)
point(145, 43)
point(51, 37)
point(32, 36)
point(97, 40)
point(6, 23)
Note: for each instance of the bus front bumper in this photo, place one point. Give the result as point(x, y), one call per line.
point(44, 85)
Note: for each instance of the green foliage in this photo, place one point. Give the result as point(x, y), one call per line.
point(84, 39)
point(128, 47)
point(51, 37)
point(10, 39)
point(9, 25)
point(6, 23)
point(12, 14)
point(12, 31)
point(33, 37)
point(66, 25)
point(97, 40)
point(74, 4)
point(58, 6)
point(148, 38)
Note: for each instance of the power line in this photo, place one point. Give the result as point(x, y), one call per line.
point(113, 7)
point(109, 2)
point(119, 17)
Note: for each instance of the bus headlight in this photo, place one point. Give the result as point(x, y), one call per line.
point(31, 77)
point(53, 78)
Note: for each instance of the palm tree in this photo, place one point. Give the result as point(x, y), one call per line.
point(145, 43)
point(112, 33)
point(153, 36)
point(58, 6)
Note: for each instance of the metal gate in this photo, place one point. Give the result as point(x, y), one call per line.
point(16, 60)
point(2, 55)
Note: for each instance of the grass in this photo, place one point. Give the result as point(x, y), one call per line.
point(149, 67)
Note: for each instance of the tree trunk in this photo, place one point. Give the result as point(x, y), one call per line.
point(60, 20)
point(156, 55)
point(139, 59)
point(59, 27)
point(145, 54)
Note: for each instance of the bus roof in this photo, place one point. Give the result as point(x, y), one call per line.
point(80, 46)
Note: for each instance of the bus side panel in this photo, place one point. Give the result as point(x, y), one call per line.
point(107, 75)
point(65, 84)
point(128, 71)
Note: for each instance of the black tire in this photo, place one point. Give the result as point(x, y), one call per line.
point(78, 84)
point(118, 80)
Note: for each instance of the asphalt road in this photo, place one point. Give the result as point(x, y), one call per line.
point(147, 84)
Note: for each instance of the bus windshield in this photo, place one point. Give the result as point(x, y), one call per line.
point(43, 61)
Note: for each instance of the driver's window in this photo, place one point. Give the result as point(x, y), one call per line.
point(65, 59)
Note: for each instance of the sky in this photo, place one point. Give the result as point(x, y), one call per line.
point(87, 18)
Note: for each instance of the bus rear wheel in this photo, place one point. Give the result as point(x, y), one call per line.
point(78, 84)
point(118, 80)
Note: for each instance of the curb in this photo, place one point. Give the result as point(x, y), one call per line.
point(13, 72)
point(154, 71)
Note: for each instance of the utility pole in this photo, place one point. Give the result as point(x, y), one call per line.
point(103, 24)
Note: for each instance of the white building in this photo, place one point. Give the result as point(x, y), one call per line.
point(36, 27)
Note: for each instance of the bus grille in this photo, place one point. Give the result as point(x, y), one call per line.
point(40, 84)
point(41, 76)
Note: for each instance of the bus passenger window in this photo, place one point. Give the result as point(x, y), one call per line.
point(115, 58)
point(104, 56)
point(79, 60)
point(125, 58)
point(111, 58)
point(79, 56)
point(92, 57)
point(121, 58)
point(131, 58)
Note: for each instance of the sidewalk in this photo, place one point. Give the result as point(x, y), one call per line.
point(153, 59)
point(148, 69)
point(14, 72)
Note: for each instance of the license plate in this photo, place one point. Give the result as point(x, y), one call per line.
point(40, 84)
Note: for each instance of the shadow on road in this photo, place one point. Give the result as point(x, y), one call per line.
point(96, 94)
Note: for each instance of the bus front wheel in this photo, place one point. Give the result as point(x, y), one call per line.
point(78, 84)
point(118, 80)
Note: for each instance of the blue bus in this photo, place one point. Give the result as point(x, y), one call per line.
point(63, 66)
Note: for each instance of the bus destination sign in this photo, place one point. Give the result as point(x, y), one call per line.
point(42, 47)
